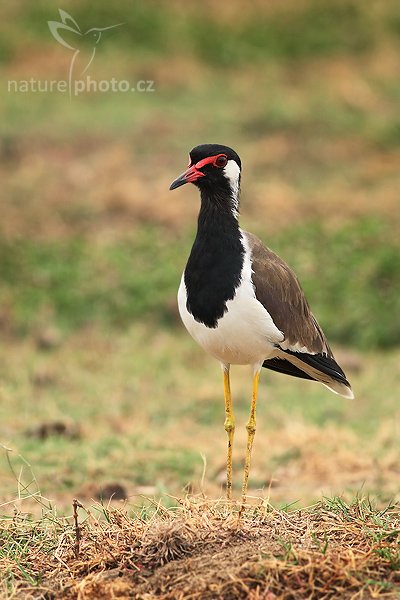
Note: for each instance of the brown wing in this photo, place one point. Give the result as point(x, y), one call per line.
point(279, 291)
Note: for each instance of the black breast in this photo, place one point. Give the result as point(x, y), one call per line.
point(213, 271)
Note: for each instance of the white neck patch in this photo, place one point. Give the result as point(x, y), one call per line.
point(232, 174)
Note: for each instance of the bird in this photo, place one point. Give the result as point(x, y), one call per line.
point(72, 37)
point(241, 302)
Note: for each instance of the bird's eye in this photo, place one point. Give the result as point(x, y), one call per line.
point(221, 161)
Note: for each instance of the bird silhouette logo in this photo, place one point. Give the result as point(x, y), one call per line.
point(68, 33)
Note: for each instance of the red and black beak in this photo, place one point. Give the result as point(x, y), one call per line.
point(189, 176)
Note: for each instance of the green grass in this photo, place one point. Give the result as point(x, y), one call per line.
point(325, 29)
point(350, 275)
point(99, 383)
point(79, 283)
point(315, 28)
point(280, 104)
point(146, 403)
point(89, 245)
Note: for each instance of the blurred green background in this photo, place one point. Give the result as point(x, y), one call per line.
point(92, 244)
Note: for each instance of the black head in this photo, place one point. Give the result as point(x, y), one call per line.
point(213, 168)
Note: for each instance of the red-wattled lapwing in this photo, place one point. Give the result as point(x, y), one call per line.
point(240, 301)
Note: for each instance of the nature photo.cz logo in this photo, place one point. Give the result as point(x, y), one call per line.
point(68, 33)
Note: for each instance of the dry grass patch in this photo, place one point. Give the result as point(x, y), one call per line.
point(198, 550)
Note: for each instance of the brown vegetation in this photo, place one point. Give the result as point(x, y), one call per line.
point(199, 550)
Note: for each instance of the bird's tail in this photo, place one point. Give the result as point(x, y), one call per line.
point(315, 367)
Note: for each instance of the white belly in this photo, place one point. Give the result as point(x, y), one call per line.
point(245, 334)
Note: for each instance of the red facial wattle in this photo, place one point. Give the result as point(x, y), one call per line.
point(193, 172)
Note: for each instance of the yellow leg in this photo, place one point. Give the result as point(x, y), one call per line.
point(251, 430)
point(230, 430)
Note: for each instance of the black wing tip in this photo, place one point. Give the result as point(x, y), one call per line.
point(324, 363)
point(280, 365)
point(334, 379)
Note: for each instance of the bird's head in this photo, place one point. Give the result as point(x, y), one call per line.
point(94, 34)
point(214, 169)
